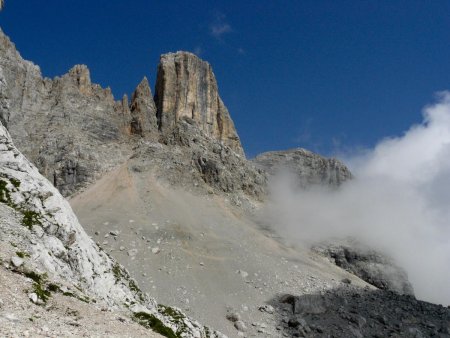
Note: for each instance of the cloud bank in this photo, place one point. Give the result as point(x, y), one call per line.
point(398, 203)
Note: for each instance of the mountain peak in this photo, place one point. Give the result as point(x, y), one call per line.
point(187, 88)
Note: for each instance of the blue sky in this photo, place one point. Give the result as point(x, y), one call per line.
point(324, 75)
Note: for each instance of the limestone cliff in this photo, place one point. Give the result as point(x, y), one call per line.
point(187, 87)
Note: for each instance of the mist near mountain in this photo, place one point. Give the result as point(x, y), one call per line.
point(397, 203)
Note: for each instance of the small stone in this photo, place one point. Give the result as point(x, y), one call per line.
point(346, 281)
point(233, 317)
point(132, 252)
point(97, 233)
point(17, 261)
point(243, 273)
point(33, 297)
point(11, 317)
point(202, 264)
point(122, 248)
point(240, 326)
point(114, 233)
point(105, 243)
point(156, 250)
point(267, 308)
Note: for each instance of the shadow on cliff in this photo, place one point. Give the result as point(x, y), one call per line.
point(352, 312)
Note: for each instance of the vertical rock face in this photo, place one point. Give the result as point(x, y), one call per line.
point(186, 88)
point(143, 110)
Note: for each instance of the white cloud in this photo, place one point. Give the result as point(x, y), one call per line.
point(220, 26)
point(399, 203)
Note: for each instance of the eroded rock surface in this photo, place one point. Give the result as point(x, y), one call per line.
point(308, 168)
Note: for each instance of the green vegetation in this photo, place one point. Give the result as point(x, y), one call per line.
point(151, 322)
point(168, 311)
point(117, 271)
point(22, 254)
point(5, 196)
point(71, 294)
point(37, 278)
point(119, 274)
point(14, 182)
point(30, 218)
point(42, 293)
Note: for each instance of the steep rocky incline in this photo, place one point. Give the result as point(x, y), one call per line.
point(53, 245)
point(187, 87)
point(309, 168)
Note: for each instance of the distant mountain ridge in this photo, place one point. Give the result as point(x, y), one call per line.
point(74, 131)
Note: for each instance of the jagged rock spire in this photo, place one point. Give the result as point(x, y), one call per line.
point(186, 88)
point(143, 110)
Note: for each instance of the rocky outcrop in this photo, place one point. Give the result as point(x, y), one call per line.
point(143, 110)
point(369, 265)
point(188, 157)
point(187, 87)
point(44, 224)
point(309, 168)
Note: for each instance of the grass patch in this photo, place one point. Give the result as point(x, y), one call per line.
point(171, 312)
point(42, 293)
point(71, 294)
point(5, 196)
point(14, 182)
point(37, 278)
point(151, 322)
point(30, 218)
point(22, 254)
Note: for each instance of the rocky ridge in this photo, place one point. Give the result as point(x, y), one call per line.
point(74, 131)
point(307, 167)
point(54, 246)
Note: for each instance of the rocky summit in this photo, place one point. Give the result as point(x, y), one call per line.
point(163, 209)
